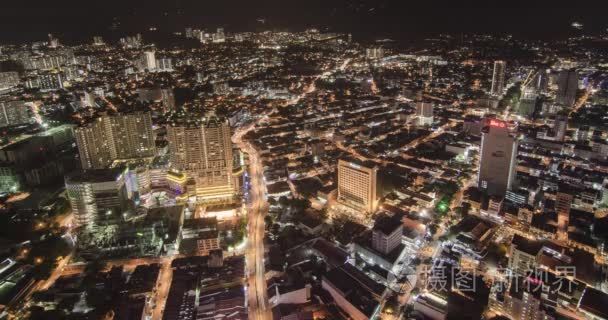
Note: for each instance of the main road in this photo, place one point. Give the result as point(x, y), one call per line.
point(257, 297)
point(156, 305)
point(257, 209)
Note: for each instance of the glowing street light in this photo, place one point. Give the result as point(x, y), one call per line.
point(442, 206)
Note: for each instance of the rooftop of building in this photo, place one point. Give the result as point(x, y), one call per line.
point(538, 281)
point(161, 161)
point(357, 162)
point(291, 311)
point(355, 292)
point(365, 241)
point(193, 119)
point(222, 207)
point(387, 224)
point(595, 302)
point(334, 255)
point(95, 175)
point(201, 223)
point(311, 219)
point(529, 246)
point(143, 278)
point(14, 277)
point(284, 284)
point(278, 187)
point(226, 303)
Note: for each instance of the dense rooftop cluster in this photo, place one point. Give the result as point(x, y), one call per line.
point(302, 175)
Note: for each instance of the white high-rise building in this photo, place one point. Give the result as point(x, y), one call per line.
point(498, 77)
point(97, 194)
point(374, 53)
point(149, 60)
point(164, 64)
point(497, 166)
point(424, 111)
point(219, 36)
point(98, 41)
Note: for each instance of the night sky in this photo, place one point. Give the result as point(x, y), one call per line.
point(398, 19)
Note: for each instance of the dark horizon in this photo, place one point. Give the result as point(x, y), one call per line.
point(73, 20)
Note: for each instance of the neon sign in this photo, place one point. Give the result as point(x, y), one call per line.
point(497, 123)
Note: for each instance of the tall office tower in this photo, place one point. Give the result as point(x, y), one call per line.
point(132, 41)
point(219, 36)
point(567, 85)
point(424, 111)
point(374, 53)
point(357, 187)
point(168, 99)
point(563, 204)
point(164, 64)
point(149, 60)
point(560, 127)
point(498, 77)
point(108, 138)
point(189, 33)
point(387, 233)
point(53, 42)
point(97, 195)
point(527, 104)
point(201, 147)
point(498, 159)
point(541, 81)
point(98, 41)
point(13, 113)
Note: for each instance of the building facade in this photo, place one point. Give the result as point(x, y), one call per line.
point(424, 111)
point(567, 85)
point(357, 186)
point(498, 78)
point(202, 148)
point(387, 234)
point(97, 194)
point(497, 166)
point(108, 138)
point(14, 113)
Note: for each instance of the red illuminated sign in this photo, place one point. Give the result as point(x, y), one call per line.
point(497, 123)
point(534, 281)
